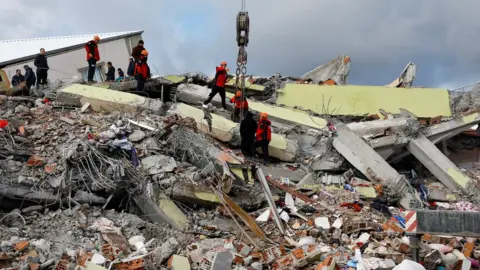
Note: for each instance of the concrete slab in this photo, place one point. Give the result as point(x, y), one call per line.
point(168, 213)
point(438, 164)
point(365, 100)
point(106, 100)
point(224, 130)
point(371, 164)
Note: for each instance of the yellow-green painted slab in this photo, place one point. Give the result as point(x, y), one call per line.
point(288, 114)
point(174, 78)
point(366, 100)
point(248, 85)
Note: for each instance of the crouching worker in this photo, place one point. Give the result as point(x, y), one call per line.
point(263, 136)
point(248, 129)
point(142, 71)
point(241, 104)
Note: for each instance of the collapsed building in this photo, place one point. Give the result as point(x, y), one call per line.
point(95, 177)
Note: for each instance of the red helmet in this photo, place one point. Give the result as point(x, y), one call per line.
point(223, 63)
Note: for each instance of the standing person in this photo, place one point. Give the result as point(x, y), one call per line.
point(18, 78)
point(240, 103)
point(111, 72)
point(29, 76)
point(121, 75)
point(221, 78)
point(93, 56)
point(42, 68)
point(142, 71)
point(263, 136)
point(248, 129)
point(131, 67)
point(137, 50)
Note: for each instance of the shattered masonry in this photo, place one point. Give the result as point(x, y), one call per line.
point(361, 177)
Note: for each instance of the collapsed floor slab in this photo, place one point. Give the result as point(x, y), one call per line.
point(370, 163)
point(365, 100)
point(106, 100)
point(225, 130)
point(438, 164)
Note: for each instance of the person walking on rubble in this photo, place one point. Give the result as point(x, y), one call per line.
point(240, 104)
point(142, 71)
point(29, 77)
point(18, 78)
point(220, 80)
point(137, 50)
point(111, 72)
point(93, 56)
point(263, 135)
point(131, 67)
point(248, 129)
point(42, 68)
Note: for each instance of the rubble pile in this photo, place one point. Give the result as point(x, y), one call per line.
point(122, 181)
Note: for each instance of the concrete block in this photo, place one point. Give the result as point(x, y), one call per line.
point(166, 213)
point(106, 100)
point(438, 164)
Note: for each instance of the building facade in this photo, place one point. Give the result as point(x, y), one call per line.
point(66, 55)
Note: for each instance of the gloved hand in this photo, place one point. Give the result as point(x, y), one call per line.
point(227, 69)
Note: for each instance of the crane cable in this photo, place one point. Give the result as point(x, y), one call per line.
point(243, 29)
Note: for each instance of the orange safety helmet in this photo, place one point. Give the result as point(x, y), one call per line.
point(223, 63)
point(96, 38)
point(238, 93)
point(263, 115)
point(144, 53)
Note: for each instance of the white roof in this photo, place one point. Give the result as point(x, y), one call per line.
point(18, 48)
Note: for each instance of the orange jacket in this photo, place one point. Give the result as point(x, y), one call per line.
point(221, 76)
point(92, 48)
point(264, 132)
point(238, 103)
point(142, 68)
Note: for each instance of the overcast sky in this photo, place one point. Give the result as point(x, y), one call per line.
point(287, 36)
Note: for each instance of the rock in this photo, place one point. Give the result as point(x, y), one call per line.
point(87, 197)
point(158, 164)
point(32, 208)
point(137, 136)
point(164, 252)
point(178, 263)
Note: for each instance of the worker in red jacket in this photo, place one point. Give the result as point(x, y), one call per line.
point(92, 56)
point(142, 71)
point(240, 103)
point(263, 135)
point(221, 77)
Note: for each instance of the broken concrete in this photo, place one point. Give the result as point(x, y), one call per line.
point(370, 163)
point(365, 100)
point(438, 164)
point(225, 130)
point(106, 100)
point(161, 215)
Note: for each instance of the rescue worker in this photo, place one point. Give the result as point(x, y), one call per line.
point(240, 103)
point(263, 135)
point(18, 78)
point(248, 129)
point(221, 78)
point(111, 72)
point(29, 76)
point(142, 71)
point(42, 68)
point(131, 67)
point(137, 50)
point(93, 56)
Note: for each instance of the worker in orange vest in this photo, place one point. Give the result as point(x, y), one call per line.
point(240, 103)
point(142, 71)
point(221, 78)
point(92, 56)
point(263, 136)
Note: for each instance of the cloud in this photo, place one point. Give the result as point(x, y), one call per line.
point(287, 36)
